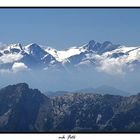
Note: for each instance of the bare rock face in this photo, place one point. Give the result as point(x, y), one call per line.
point(27, 110)
point(22, 109)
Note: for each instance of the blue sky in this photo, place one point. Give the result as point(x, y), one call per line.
point(63, 28)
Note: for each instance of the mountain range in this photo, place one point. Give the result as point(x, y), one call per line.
point(106, 57)
point(23, 109)
point(104, 89)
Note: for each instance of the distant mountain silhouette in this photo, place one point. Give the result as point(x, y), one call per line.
point(104, 89)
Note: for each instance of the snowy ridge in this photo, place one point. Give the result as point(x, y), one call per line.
point(104, 57)
point(64, 54)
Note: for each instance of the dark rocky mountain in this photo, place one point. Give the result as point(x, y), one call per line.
point(100, 47)
point(27, 110)
point(24, 110)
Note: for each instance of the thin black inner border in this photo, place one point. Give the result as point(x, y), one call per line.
point(70, 7)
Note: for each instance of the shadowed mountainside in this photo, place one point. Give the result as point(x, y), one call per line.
point(27, 110)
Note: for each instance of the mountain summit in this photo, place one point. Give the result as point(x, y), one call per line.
point(102, 56)
point(23, 109)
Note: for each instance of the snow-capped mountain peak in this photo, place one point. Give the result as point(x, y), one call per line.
point(104, 56)
point(13, 48)
point(32, 48)
point(10, 54)
point(90, 45)
point(100, 48)
point(64, 54)
point(16, 46)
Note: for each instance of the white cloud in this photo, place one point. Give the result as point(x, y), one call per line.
point(114, 66)
point(9, 58)
point(18, 66)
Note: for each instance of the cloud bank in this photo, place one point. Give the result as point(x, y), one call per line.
point(114, 66)
point(18, 66)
